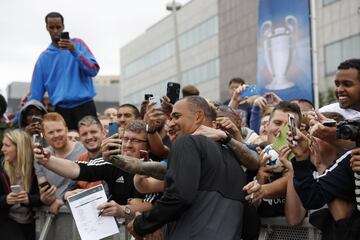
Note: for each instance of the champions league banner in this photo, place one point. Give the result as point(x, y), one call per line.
point(284, 54)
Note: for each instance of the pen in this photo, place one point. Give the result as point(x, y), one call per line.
point(101, 211)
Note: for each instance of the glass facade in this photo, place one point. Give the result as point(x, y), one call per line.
point(198, 74)
point(150, 59)
point(339, 51)
point(201, 73)
point(327, 2)
point(197, 34)
point(158, 89)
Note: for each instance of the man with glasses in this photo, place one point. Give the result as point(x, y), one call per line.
point(120, 183)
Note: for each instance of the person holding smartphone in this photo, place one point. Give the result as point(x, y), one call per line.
point(30, 117)
point(19, 191)
point(65, 71)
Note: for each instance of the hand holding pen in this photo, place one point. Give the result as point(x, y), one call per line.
point(102, 208)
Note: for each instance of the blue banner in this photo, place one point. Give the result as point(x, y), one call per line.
point(284, 54)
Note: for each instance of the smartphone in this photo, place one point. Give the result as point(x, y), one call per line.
point(144, 155)
point(65, 35)
point(173, 91)
point(15, 188)
point(47, 184)
point(249, 91)
point(156, 101)
point(36, 138)
point(329, 123)
point(269, 99)
point(36, 119)
point(292, 127)
point(113, 128)
point(281, 140)
point(147, 96)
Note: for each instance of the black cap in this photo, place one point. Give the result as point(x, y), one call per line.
point(3, 105)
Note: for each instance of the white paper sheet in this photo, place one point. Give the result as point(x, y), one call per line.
point(83, 208)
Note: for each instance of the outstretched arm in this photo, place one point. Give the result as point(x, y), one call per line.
point(137, 166)
point(60, 166)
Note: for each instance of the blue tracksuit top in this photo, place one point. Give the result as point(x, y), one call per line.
point(65, 75)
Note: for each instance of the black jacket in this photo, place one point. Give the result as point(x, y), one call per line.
point(203, 197)
point(34, 195)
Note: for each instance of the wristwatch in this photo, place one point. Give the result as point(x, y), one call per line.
point(148, 130)
point(127, 211)
point(227, 139)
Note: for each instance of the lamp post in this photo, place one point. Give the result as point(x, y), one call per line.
point(174, 7)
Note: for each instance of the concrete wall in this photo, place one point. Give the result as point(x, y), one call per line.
point(335, 22)
point(237, 41)
point(190, 15)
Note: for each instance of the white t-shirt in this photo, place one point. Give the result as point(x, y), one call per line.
point(335, 107)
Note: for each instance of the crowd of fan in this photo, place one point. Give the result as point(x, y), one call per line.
point(207, 172)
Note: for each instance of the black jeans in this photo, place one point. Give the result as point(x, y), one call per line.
point(73, 115)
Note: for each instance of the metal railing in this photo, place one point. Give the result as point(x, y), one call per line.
point(62, 227)
point(277, 228)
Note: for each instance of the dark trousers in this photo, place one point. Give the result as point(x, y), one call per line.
point(12, 230)
point(73, 115)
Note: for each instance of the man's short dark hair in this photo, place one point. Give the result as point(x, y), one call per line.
point(54, 15)
point(135, 110)
point(303, 100)
point(351, 63)
point(237, 80)
point(190, 90)
point(199, 103)
point(286, 106)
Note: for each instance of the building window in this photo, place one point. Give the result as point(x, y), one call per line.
point(150, 59)
point(327, 2)
point(197, 34)
point(114, 81)
point(158, 89)
point(201, 73)
point(339, 51)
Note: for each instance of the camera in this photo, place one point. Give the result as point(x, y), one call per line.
point(349, 130)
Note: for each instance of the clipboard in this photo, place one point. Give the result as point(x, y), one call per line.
point(84, 210)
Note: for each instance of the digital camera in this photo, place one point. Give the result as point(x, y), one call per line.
point(349, 130)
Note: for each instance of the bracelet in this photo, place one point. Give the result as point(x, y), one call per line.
point(227, 139)
point(148, 131)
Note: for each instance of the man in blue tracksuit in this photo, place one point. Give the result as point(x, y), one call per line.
point(65, 70)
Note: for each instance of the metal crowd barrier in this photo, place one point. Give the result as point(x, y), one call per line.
point(62, 227)
point(277, 228)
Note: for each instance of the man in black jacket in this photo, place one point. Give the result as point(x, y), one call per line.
point(203, 197)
